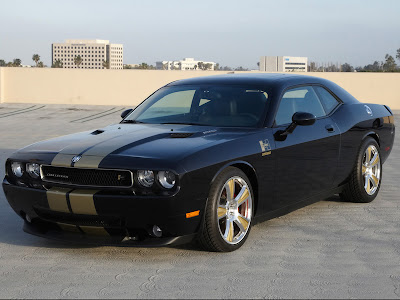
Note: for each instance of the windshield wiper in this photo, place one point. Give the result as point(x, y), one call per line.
point(132, 122)
point(183, 123)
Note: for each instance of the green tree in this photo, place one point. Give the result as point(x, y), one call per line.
point(16, 62)
point(207, 66)
point(312, 67)
point(347, 68)
point(390, 64)
point(40, 64)
point(143, 66)
point(226, 68)
point(2, 63)
point(216, 67)
point(57, 64)
point(78, 60)
point(200, 65)
point(241, 69)
point(398, 54)
point(106, 64)
point(36, 58)
point(375, 67)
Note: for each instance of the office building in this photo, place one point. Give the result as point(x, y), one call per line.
point(283, 64)
point(93, 53)
point(185, 64)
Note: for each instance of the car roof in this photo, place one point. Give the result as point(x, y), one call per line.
point(277, 81)
point(247, 78)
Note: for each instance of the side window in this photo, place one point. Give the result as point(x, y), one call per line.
point(327, 99)
point(302, 99)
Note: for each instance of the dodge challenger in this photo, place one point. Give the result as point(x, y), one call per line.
point(203, 159)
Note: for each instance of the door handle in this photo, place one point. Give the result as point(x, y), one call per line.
point(329, 128)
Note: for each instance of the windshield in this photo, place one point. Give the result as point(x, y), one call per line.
point(225, 106)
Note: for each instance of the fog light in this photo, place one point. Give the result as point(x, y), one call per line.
point(157, 232)
point(145, 177)
point(33, 170)
point(166, 179)
point(17, 168)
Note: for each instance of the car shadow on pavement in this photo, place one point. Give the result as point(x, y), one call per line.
point(334, 198)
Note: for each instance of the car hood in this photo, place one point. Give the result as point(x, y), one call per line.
point(155, 141)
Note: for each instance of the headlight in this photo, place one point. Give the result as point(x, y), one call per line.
point(145, 177)
point(166, 179)
point(33, 170)
point(17, 168)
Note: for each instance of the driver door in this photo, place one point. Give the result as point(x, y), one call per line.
point(308, 157)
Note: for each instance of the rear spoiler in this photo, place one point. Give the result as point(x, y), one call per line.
point(388, 108)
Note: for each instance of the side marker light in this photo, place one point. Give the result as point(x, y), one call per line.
point(192, 214)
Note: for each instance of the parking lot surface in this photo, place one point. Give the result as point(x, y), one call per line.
point(330, 249)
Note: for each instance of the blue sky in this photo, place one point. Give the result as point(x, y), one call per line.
point(233, 33)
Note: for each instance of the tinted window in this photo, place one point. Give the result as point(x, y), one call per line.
point(170, 104)
point(327, 99)
point(226, 106)
point(302, 99)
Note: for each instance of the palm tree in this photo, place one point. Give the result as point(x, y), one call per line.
point(106, 64)
point(16, 62)
point(143, 66)
point(57, 64)
point(36, 58)
point(78, 60)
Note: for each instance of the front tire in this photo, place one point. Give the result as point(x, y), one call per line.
point(365, 179)
point(228, 212)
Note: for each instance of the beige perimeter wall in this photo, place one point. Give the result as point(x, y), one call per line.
point(130, 87)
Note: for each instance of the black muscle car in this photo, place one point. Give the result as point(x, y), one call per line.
point(203, 158)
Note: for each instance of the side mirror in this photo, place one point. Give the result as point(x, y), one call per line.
point(298, 119)
point(303, 118)
point(125, 113)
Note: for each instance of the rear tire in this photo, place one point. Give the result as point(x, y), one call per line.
point(365, 180)
point(229, 210)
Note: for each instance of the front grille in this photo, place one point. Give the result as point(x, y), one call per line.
point(82, 220)
point(87, 177)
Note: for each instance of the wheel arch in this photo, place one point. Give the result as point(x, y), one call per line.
point(374, 135)
point(250, 172)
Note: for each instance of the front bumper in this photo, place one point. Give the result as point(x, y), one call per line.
point(103, 217)
point(78, 238)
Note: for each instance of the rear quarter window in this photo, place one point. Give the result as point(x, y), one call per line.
point(328, 101)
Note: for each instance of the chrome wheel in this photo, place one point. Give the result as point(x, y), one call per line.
point(371, 169)
point(234, 210)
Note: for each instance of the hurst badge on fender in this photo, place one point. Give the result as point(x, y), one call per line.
point(265, 147)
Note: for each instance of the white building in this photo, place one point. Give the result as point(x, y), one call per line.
point(93, 53)
point(283, 64)
point(185, 64)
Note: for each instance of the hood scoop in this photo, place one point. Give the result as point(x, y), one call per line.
point(180, 135)
point(97, 132)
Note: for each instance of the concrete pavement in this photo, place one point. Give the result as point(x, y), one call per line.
point(330, 249)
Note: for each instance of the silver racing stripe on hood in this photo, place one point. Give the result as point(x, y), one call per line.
point(94, 150)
